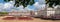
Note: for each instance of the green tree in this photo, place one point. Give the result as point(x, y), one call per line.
point(22, 2)
point(51, 2)
point(3, 13)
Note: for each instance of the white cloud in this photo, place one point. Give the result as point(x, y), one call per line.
point(41, 1)
point(10, 5)
point(20, 7)
point(39, 6)
point(7, 6)
point(1, 6)
point(27, 8)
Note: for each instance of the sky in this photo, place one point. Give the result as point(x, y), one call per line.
point(39, 4)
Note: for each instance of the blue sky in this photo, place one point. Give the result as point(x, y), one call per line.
point(1, 1)
point(30, 7)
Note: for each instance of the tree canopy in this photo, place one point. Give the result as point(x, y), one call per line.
point(22, 2)
point(3, 12)
point(51, 2)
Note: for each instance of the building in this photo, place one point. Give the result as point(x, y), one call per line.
point(50, 11)
point(19, 13)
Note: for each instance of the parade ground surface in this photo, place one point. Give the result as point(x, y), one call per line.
point(34, 20)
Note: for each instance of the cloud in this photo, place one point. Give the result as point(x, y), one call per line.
point(9, 5)
point(1, 6)
point(6, 6)
point(30, 8)
point(20, 8)
point(39, 6)
point(41, 2)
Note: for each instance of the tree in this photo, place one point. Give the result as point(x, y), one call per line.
point(22, 2)
point(3, 13)
point(51, 2)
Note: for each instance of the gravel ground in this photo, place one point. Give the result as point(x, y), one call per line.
point(34, 20)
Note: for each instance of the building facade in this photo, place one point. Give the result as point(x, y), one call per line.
point(28, 13)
